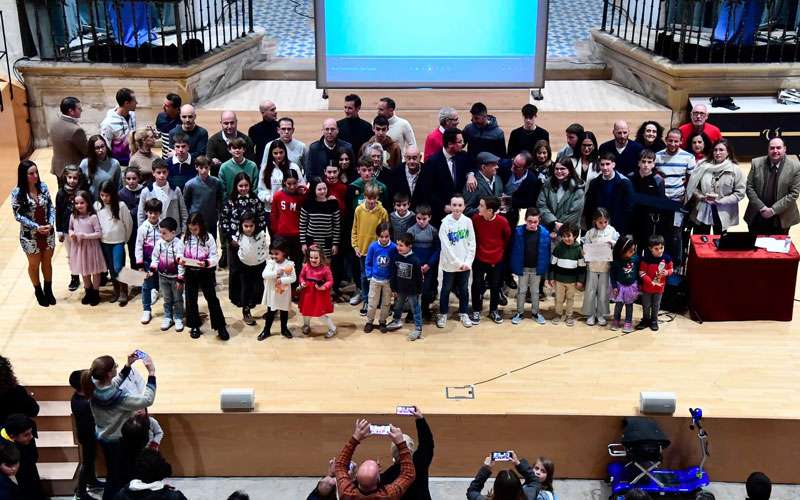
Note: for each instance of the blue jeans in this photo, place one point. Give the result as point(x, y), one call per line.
point(416, 308)
point(457, 282)
point(148, 285)
point(364, 280)
point(172, 297)
point(114, 255)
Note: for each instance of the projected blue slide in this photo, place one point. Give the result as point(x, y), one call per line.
point(436, 43)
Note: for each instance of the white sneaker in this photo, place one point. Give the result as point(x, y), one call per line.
point(178, 325)
point(466, 321)
point(356, 300)
point(330, 333)
point(154, 296)
point(146, 317)
point(395, 325)
point(416, 334)
point(441, 320)
point(601, 320)
point(591, 320)
point(165, 324)
point(517, 319)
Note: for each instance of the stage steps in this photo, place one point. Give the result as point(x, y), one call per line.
point(59, 455)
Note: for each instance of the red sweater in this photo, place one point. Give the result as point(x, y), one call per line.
point(491, 237)
point(648, 269)
point(285, 217)
point(339, 190)
point(687, 129)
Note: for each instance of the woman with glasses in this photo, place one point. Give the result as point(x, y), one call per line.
point(99, 166)
point(34, 210)
point(714, 191)
point(584, 158)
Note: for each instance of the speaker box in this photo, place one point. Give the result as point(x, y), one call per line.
point(657, 402)
point(237, 399)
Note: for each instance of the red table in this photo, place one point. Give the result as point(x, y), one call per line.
point(741, 285)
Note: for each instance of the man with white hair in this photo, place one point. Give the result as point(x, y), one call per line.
point(625, 151)
point(367, 484)
point(699, 123)
point(422, 456)
point(323, 152)
point(217, 149)
point(448, 118)
point(198, 136)
point(265, 131)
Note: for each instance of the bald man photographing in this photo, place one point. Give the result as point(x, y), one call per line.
point(367, 483)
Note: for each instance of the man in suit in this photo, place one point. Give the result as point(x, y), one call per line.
point(773, 185)
point(490, 185)
point(405, 179)
point(445, 173)
point(67, 137)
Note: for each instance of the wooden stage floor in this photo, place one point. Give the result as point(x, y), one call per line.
point(734, 370)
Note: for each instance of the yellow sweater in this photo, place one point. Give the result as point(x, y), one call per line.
point(365, 222)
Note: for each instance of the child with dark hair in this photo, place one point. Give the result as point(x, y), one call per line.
point(402, 218)
point(530, 258)
point(406, 284)
point(9, 467)
point(147, 236)
point(366, 219)
point(73, 181)
point(595, 298)
point(200, 259)
point(116, 228)
point(279, 274)
point(492, 234)
point(378, 268)
point(758, 486)
point(171, 198)
point(253, 245)
point(84, 427)
point(285, 215)
point(147, 483)
point(166, 263)
point(85, 255)
point(624, 282)
point(315, 285)
point(567, 272)
point(19, 429)
point(426, 248)
point(545, 470)
point(181, 165)
point(654, 269)
point(241, 200)
point(129, 194)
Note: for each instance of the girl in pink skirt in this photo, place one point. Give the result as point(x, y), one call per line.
point(85, 256)
point(624, 282)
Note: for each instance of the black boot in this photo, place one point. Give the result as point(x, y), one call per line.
point(115, 293)
point(87, 296)
point(48, 293)
point(40, 298)
point(95, 297)
point(264, 334)
point(74, 283)
point(124, 293)
point(195, 332)
point(222, 333)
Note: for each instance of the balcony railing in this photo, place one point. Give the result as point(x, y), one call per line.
point(708, 31)
point(135, 31)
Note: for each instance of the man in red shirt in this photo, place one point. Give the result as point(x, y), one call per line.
point(367, 484)
point(491, 235)
point(448, 118)
point(699, 123)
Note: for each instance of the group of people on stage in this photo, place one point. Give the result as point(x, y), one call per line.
point(360, 209)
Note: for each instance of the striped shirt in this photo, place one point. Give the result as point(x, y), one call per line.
point(320, 223)
point(675, 169)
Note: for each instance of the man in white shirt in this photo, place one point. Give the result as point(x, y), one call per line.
point(399, 129)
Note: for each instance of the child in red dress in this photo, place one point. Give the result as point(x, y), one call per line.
point(316, 281)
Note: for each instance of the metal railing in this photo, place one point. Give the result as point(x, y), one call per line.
point(708, 31)
point(135, 31)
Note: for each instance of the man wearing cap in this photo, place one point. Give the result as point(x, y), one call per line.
point(699, 123)
point(489, 184)
point(773, 186)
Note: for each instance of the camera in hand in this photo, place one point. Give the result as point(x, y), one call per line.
point(501, 456)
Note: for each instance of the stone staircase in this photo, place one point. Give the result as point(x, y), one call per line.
point(59, 455)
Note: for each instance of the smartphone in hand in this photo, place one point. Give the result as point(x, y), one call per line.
point(379, 430)
point(501, 456)
point(406, 410)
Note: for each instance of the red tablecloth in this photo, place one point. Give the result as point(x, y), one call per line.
point(741, 285)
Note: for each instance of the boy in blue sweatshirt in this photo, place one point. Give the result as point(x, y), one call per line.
point(426, 248)
point(378, 268)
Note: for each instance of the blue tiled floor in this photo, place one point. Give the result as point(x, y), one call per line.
point(570, 21)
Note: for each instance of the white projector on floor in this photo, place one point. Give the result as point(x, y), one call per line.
point(237, 399)
point(657, 402)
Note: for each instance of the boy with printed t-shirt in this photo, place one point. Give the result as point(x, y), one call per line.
point(457, 238)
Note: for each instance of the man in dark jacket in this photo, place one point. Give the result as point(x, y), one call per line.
point(265, 131)
point(84, 427)
point(625, 151)
point(217, 148)
point(149, 473)
point(422, 457)
point(483, 134)
point(324, 151)
point(405, 178)
point(612, 191)
point(352, 128)
point(18, 430)
point(445, 173)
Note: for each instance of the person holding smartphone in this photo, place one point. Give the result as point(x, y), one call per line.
point(506, 483)
point(421, 455)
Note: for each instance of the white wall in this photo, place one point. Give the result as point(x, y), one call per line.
point(13, 39)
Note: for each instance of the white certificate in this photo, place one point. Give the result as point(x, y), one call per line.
point(597, 252)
